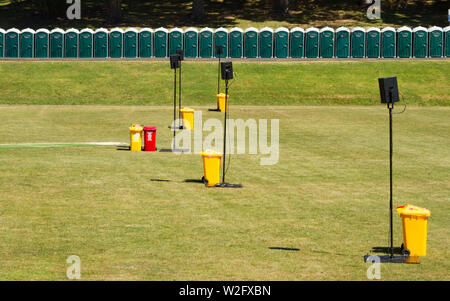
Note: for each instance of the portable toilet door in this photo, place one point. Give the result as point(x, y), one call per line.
point(420, 42)
point(221, 39)
point(326, 42)
point(388, 42)
point(281, 43)
point(86, 43)
point(342, 42)
point(101, 43)
point(161, 41)
point(175, 40)
point(236, 41)
point(116, 43)
point(2, 42)
point(404, 42)
point(251, 42)
point(358, 42)
point(12, 43)
point(71, 43)
point(26, 43)
point(206, 42)
point(296, 42)
point(191, 42)
point(130, 43)
point(447, 41)
point(145, 42)
point(436, 41)
point(373, 42)
point(266, 42)
point(312, 43)
point(41, 41)
point(56, 43)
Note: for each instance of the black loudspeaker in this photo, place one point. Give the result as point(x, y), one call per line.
point(388, 89)
point(227, 70)
point(180, 54)
point(174, 61)
point(219, 50)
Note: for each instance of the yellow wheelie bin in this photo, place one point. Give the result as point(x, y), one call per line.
point(211, 167)
point(414, 223)
point(136, 138)
point(188, 118)
point(221, 101)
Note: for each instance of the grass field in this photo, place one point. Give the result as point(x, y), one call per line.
point(327, 197)
point(422, 82)
point(144, 216)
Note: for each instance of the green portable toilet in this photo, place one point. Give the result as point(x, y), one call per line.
point(71, 43)
point(26, 43)
point(420, 42)
point(342, 47)
point(56, 43)
point(42, 42)
point(175, 40)
point(388, 42)
point(101, 43)
point(236, 41)
point(130, 43)
point(116, 43)
point(312, 43)
point(281, 43)
point(358, 42)
point(12, 43)
point(404, 42)
point(2, 42)
point(251, 42)
point(296, 42)
point(373, 39)
point(266, 42)
point(206, 42)
point(447, 41)
point(221, 39)
point(145, 42)
point(436, 41)
point(86, 48)
point(191, 42)
point(326, 42)
point(161, 42)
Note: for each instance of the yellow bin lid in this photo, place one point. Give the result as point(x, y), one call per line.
point(210, 153)
point(413, 210)
point(186, 110)
point(136, 128)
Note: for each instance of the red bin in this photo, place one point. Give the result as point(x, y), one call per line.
point(149, 138)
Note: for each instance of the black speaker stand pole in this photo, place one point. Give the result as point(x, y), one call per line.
point(390, 106)
point(173, 127)
point(179, 101)
point(218, 78)
point(390, 258)
point(223, 183)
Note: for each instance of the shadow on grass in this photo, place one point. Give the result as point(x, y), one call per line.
point(199, 181)
point(387, 250)
point(27, 13)
point(123, 148)
point(284, 249)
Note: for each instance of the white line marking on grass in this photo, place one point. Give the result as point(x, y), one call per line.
point(60, 144)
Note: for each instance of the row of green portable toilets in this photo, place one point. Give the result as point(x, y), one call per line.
point(358, 42)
